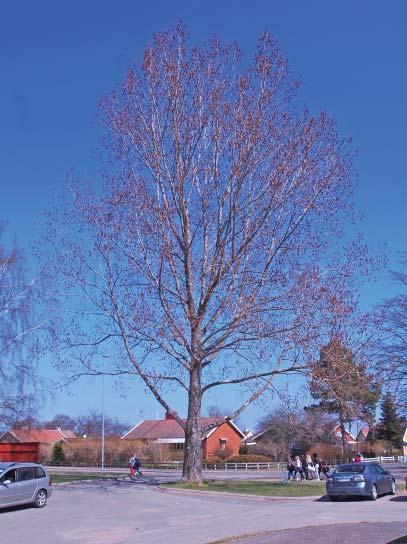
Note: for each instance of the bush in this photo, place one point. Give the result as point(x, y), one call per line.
point(57, 455)
point(250, 458)
point(87, 451)
point(244, 449)
point(239, 459)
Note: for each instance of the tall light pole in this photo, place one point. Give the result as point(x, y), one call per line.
point(103, 414)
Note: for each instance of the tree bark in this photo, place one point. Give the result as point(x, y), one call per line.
point(193, 436)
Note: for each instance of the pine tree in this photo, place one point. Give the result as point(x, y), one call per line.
point(390, 426)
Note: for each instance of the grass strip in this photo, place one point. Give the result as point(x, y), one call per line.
point(255, 487)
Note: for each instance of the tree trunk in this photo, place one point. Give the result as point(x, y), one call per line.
point(193, 437)
point(342, 425)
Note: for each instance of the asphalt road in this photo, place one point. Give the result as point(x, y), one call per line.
point(398, 469)
point(360, 533)
point(123, 512)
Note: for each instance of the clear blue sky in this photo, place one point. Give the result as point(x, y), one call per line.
point(58, 58)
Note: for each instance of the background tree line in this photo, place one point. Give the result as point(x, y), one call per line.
point(89, 424)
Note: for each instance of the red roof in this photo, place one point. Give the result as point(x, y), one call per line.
point(46, 436)
point(156, 429)
point(364, 431)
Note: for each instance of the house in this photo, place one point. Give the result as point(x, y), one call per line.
point(43, 436)
point(350, 440)
point(362, 435)
point(223, 439)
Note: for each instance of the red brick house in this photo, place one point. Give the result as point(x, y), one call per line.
point(224, 439)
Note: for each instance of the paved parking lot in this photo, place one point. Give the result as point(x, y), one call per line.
point(123, 512)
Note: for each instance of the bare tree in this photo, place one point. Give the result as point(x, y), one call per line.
point(207, 256)
point(91, 425)
point(290, 427)
point(63, 421)
point(391, 346)
point(18, 328)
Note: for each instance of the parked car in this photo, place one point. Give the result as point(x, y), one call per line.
point(360, 479)
point(24, 483)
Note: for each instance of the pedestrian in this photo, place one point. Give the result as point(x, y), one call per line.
point(310, 467)
point(298, 468)
point(290, 469)
point(135, 465)
point(304, 467)
point(324, 468)
point(316, 463)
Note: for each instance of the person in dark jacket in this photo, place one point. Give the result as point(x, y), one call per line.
point(290, 469)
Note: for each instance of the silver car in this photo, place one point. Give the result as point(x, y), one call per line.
point(360, 479)
point(23, 483)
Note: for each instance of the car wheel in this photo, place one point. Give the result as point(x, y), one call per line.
point(333, 497)
point(373, 494)
point(40, 499)
point(393, 488)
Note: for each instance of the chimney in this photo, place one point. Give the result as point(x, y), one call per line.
point(170, 415)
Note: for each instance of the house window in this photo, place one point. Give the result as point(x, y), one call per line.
point(222, 443)
point(178, 446)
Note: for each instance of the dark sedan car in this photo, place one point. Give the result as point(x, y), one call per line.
point(360, 479)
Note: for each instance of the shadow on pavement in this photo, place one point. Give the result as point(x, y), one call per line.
point(15, 508)
point(402, 540)
point(400, 498)
point(325, 498)
point(107, 485)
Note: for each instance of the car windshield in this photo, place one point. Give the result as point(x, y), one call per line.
point(350, 468)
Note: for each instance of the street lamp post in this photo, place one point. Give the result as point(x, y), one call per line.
point(103, 415)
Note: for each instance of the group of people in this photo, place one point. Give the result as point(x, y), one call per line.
point(135, 465)
point(305, 467)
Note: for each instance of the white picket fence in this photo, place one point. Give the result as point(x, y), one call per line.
point(389, 459)
point(277, 466)
point(244, 466)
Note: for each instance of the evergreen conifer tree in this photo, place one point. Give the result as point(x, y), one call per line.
point(391, 427)
point(58, 454)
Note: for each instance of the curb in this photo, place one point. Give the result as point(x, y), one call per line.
point(266, 498)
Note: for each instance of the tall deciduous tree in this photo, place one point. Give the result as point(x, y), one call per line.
point(343, 385)
point(207, 256)
point(18, 329)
